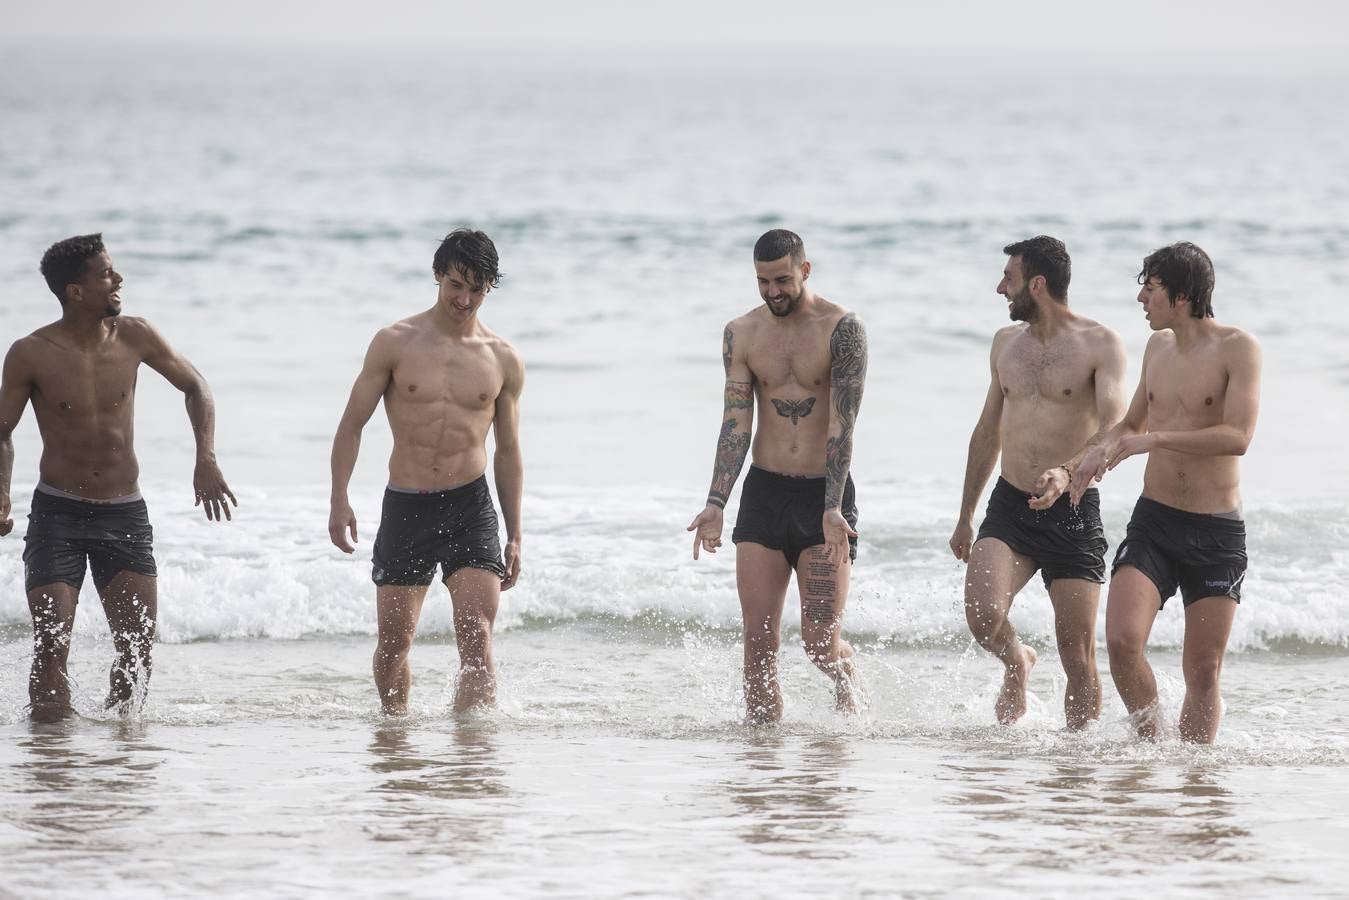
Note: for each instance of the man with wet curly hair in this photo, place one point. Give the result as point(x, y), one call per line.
point(80, 374)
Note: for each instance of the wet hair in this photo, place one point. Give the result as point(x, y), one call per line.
point(471, 253)
point(1047, 257)
point(778, 243)
point(1183, 268)
point(65, 262)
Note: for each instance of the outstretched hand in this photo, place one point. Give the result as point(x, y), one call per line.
point(1049, 487)
point(836, 534)
point(707, 529)
point(212, 491)
point(342, 520)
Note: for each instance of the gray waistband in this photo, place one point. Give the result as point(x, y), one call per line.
point(57, 492)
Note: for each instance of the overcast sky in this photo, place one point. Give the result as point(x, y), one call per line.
point(1254, 26)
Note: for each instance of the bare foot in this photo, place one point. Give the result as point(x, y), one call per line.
point(850, 696)
point(1011, 703)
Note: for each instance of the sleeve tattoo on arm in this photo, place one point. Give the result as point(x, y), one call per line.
point(847, 377)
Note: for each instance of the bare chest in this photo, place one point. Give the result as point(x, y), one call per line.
point(467, 378)
point(79, 387)
point(788, 362)
point(1185, 389)
point(1057, 371)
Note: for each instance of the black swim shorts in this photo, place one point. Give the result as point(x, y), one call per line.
point(1204, 555)
point(65, 534)
point(784, 512)
point(453, 529)
point(1062, 541)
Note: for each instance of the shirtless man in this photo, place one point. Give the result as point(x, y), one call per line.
point(1057, 382)
point(1194, 415)
point(802, 360)
point(445, 379)
point(80, 374)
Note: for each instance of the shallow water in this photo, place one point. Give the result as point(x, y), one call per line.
point(264, 767)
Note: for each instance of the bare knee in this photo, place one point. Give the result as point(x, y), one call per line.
point(984, 620)
point(761, 642)
point(1077, 653)
point(1124, 647)
point(1202, 676)
point(394, 646)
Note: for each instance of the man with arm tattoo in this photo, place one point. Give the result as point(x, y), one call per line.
point(1056, 383)
point(801, 361)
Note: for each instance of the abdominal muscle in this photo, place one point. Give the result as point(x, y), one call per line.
point(436, 451)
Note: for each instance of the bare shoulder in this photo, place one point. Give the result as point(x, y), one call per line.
point(138, 333)
point(1159, 342)
point(1238, 347)
point(24, 353)
point(1101, 339)
point(506, 353)
point(744, 325)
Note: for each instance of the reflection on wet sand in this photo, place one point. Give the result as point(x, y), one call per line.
point(446, 797)
point(795, 810)
point(74, 800)
point(1142, 816)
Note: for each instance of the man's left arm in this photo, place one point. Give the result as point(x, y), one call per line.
point(847, 378)
point(207, 481)
point(508, 464)
point(1230, 437)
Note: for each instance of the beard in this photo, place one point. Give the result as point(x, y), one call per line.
point(792, 303)
point(1023, 307)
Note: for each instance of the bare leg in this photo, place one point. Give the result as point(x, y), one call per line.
point(1129, 614)
point(52, 607)
point(131, 603)
point(761, 577)
point(824, 595)
point(398, 609)
point(475, 594)
point(1075, 602)
point(994, 576)
point(1208, 623)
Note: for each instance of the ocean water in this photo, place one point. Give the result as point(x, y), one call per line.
point(270, 210)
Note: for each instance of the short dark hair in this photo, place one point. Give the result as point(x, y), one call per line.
point(1183, 268)
point(1045, 256)
point(472, 253)
point(65, 261)
point(778, 243)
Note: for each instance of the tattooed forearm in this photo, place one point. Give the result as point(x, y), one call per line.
point(847, 377)
point(732, 449)
point(794, 409)
point(727, 345)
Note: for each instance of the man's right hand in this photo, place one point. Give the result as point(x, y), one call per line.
point(6, 523)
point(962, 539)
point(340, 521)
point(1089, 471)
point(707, 528)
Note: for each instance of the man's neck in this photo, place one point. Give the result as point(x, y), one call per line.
point(1051, 318)
point(453, 325)
point(1190, 331)
point(85, 331)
